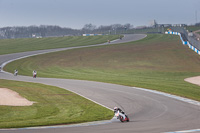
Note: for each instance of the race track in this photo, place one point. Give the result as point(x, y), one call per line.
point(148, 112)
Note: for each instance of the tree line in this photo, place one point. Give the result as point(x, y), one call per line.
point(57, 31)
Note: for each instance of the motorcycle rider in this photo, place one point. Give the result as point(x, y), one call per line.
point(118, 110)
point(34, 73)
point(16, 72)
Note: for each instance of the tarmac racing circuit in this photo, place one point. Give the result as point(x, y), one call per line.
point(149, 111)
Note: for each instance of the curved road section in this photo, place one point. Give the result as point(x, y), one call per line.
point(149, 111)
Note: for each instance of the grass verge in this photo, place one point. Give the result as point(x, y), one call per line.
point(54, 106)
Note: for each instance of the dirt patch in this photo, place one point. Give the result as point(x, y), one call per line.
point(12, 98)
point(193, 80)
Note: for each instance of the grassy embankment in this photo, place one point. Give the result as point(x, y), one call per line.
point(8, 46)
point(54, 106)
point(158, 62)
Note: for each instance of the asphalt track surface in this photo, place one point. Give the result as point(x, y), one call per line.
point(148, 112)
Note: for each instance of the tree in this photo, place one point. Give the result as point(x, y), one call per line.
point(89, 27)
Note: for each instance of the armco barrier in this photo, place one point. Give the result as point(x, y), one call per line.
point(184, 42)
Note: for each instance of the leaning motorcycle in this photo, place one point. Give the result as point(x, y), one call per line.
point(122, 116)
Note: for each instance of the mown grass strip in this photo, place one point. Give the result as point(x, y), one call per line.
point(54, 106)
point(31, 44)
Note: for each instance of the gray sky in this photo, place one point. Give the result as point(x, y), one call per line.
point(77, 13)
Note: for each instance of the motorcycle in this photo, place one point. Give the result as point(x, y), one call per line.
point(121, 116)
point(15, 73)
point(34, 75)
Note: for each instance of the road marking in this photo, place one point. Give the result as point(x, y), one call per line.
point(63, 126)
point(186, 131)
point(171, 96)
point(177, 98)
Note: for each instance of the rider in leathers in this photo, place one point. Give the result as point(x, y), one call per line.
point(116, 109)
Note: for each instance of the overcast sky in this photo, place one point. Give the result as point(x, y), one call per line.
point(77, 13)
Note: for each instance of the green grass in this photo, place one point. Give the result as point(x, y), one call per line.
point(54, 106)
point(8, 46)
point(193, 28)
point(158, 62)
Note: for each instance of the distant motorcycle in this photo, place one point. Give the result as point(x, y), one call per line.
point(34, 74)
point(15, 73)
point(121, 115)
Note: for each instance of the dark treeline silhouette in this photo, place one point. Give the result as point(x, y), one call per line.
point(35, 32)
point(57, 31)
